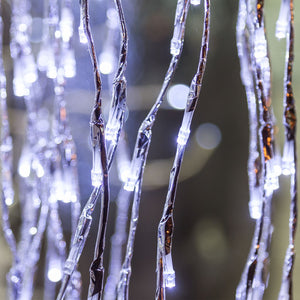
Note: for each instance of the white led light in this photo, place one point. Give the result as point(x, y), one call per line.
point(54, 274)
point(9, 201)
point(24, 169)
point(106, 62)
point(195, 2)
point(33, 230)
point(169, 273)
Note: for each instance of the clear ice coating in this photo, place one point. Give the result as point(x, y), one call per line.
point(177, 39)
point(282, 24)
point(82, 37)
point(140, 154)
point(48, 162)
point(265, 164)
point(169, 273)
point(289, 160)
point(183, 136)
point(164, 265)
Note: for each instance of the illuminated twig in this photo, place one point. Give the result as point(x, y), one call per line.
point(243, 30)
point(285, 28)
point(119, 237)
point(143, 140)
point(118, 104)
point(165, 271)
point(255, 276)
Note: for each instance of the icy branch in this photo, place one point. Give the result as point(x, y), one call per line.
point(263, 178)
point(289, 160)
point(165, 271)
point(134, 181)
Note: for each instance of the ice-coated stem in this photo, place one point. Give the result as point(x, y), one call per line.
point(79, 240)
point(120, 235)
point(101, 163)
point(255, 276)
point(254, 162)
point(99, 175)
point(142, 145)
point(165, 271)
point(290, 153)
point(118, 104)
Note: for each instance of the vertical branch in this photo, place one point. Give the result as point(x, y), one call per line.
point(143, 141)
point(99, 175)
point(118, 104)
point(262, 183)
point(290, 153)
point(165, 271)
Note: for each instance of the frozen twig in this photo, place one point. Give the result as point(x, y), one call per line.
point(99, 176)
point(135, 178)
point(254, 162)
point(251, 35)
point(165, 271)
point(118, 104)
point(289, 160)
point(119, 237)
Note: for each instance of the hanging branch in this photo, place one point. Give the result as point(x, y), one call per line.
point(118, 104)
point(134, 181)
point(290, 154)
point(99, 171)
point(255, 276)
point(165, 271)
point(119, 237)
point(243, 30)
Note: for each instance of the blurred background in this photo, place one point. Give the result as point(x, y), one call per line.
point(213, 230)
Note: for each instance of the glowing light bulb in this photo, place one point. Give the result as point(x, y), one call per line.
point(81, 33)
point(20, 89)
point(283, 20)
point(183, 136)
point(24, 168)
point(168, 272)
point(175, 46)
point(9, 201)
point(112, 18)
point(255, 203)
point(36, 165)
point(107, 62)
point(124, 171)
point(260, 44)
point(133, 175)
point(33, 230)
point(96, 172)
point(66, 24)
point(111, 132)
point(288, 164)
point(54, 274)
point(195, 2)
point(69, 64)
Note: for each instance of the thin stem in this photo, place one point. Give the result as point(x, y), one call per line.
point(165, 271)
point(290, 152)
point(143, 141)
